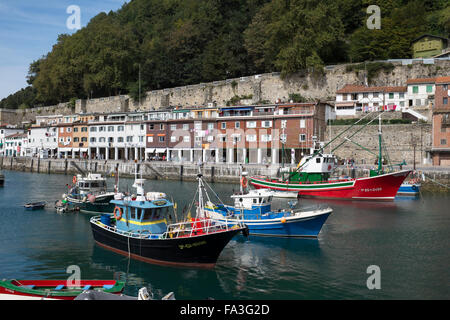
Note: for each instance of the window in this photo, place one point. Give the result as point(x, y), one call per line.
point(198, 126)
point(129, 138)
point(365, 95)
point(84, 139)
point(173, 127)
point(110, 128)
point(186, 138)
point(391, 95)
point(302, 137)
point(102, 139)
point(266, 124)
point(161, 126)
point(83, 129)
point(251, 137)
point(375, 94)
point(75, 129)
point(93, 129)
point(210, 126)
point(415, 89)
point(402, 95)
point(443, 141)
point(151, 126)
point(445, 100)
point(60, 130)
point(237, 125)
point(120, 128)
point(150, 139)
point(302, 123)
point(69, 129)
point(111, 139)
point(76, 139)
point(429, 88)
point(93, 139)
point(210, 138)
point(224, 125)
point(251, 124)
point(120, 139)
point(445, 87)
point(102, 128)
point(173, 139)
point(186, 126)
point(266, 137)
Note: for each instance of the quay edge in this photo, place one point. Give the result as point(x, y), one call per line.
point(436, 180)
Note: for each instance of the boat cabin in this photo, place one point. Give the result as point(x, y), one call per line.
point(142, 216)
point(256, 201)
point(92, 183)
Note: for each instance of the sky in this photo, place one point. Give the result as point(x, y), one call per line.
point(29, 29)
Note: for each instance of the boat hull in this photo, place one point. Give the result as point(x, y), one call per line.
point(195, 251)
point(379, 188)
point(100, 205)
point(289, 227)
point(45, 289)
point(407, 189)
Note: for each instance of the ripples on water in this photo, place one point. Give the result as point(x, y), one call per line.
point(407, 239)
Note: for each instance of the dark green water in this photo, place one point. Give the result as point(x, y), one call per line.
point(408, 239)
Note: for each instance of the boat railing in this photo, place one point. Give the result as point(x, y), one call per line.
point(176, 230)
point(196, 227)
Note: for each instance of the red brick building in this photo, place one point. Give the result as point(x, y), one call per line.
point(440, 150)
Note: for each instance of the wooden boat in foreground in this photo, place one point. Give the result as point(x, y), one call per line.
point(54, 289)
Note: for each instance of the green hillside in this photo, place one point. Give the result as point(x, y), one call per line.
point(181, 42)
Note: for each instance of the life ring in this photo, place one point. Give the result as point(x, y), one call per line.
point(244, 182)
point(74, 180)
point(118, 217)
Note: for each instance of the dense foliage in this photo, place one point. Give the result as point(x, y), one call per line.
point(180, 42)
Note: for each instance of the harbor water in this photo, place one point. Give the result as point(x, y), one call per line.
point(406, 241)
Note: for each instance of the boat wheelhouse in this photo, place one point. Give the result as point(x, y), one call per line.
point(140, 230)
point(90, 194)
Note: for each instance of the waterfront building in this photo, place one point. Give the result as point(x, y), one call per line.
point(65, 138)
point(43, 140)
point(420, 93)
point(353, 98)
point(7, 130)
point(117, 136)
point(440, 150)
point(16, 144)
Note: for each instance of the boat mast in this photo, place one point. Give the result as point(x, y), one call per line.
point(380, 157)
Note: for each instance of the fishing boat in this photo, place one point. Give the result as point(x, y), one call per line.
point(254, 209)
point(140, 230)
point(35, 205)
point(409, 188)
point(100, 295)
point(313, 177)
point(54, 289)
point(89, 194)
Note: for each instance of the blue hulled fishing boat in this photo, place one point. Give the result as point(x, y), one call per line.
point(253, 208)
point(140, 230)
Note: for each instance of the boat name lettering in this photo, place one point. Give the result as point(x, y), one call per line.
point(190, 245)
point(159, 202)
point(371, 189)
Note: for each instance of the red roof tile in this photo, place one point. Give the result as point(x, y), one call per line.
point(443, 79)
point(421, 80)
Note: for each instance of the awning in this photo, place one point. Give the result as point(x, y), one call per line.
point(345, 104)
point(237, 109)
point(83, 149)
point(150, 150)
point(75, 149)
point(160, 150)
